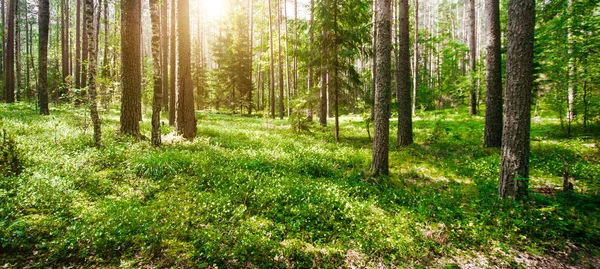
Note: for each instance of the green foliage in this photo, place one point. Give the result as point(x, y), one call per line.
point(248, 195)
point(10, 157)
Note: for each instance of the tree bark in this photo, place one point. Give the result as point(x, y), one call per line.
point(18, 52)
point(279, 52)
point(472, 57)
point(157, 70)
point(405, 132)
point(84, 45)
point(380, 164)
point(493, 112)
point(416, 60)
point(44, 22)
point(77, 70)
point(335, 72)
point(185, 119)
point(173, 62)
point(324, 78)
point(272, 68)
point(91, 71)
point(164, 37)
point(131, 77)
point(9, 88)
point(374, 63)
point(514, 171)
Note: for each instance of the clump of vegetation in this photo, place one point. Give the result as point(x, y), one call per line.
point(10, 157)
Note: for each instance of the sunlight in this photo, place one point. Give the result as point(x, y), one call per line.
point(213, 9)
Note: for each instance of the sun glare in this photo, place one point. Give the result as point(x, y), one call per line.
point(212, 9)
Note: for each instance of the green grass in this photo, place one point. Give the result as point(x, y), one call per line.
point(247, 193)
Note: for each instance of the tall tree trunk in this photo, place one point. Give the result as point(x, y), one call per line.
point(571, 73)
point(156, 59)
point(185, 120)
point(416, 60)
point(84, 45)
point(335, 71)
point(279, 52)
point(64, 16)
point(295, 47)
point(27, 54)
point(272, 68)
point(493, 112)
point(10, 54)
point(311, 63)
point(107, 91)
point(374, 67)
point(77, 74)
point(287, 60)
point(380, 164)
point(405, 132)
point(324, 78)
point(473, 57)
point(3, 55)
point(44, 23)
point(91, 71)
point(164, 37)
point(173, 62)
point(18, 51)
point(514, 170)
point(131, 76)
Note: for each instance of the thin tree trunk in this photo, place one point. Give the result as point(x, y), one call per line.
point(279, 52)
point(131, 77)
point(44, 22)
point(287, 60)
point(84, 45)
point(156, 59)
point(416, 60)
point(493, 112)
point(405, 133)
point(77, 74)
point(311, 63)
point(335, 72)
point(380, 164)
point(164, 37)
point(10, 54)
point(324, 78)
point(514, 170)
point(173, 62)
point(91, 72)
point(295, 47)
point(374, 67)
point(18, 51)
point(272, 68)
point(27, 54)
point(571, 73)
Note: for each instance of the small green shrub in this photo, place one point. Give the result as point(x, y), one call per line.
point(10, 157)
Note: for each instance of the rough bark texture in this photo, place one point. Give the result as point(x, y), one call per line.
point(416, 59)
point(164, 47)
point(44, 23)
point(84, 45)
point(382, 93)
point(272, 68)
point(9, 89)
point(185, 119)
point(472, 58)
point(173, 61)
point(324, 79)
point(91, 72)
point(405, 133)
point(374, 63)
point(493, 104)
point(156, 59)
point(63, 40)
point(17, 53)
point(514, 171)
point(131, 66)
point(334, 81)
point(311, 37)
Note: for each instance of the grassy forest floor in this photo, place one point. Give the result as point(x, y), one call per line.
point(251, 193)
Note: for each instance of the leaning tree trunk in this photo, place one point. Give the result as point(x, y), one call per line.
point(185, 120)
point(131, 76)
point(382, 93)
point(514, 170)
point(405, 133)
point(156, 59)
point(493, 111)
point(91, 72)
point(9, 89)
point(472, 58)
point(44, 23)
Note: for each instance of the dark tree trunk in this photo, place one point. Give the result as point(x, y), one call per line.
point(324, 78)
point(311, 37)
point(405, 133)
point(44, 22)
point(416, 60)
point(185, 120)
point(514, 171)
point(164, 37)
point(335, 72)
point(84, 44)
point(156, 74)
point(173, 62)
point(493, 112)
point(9, 88)
point(374, 64)
point(78, 45)
point(91, 71)
point(131, 76)
point(472, 58)
point(63, 40)
point(272, 69)
point(382, 94)
point(18, 52)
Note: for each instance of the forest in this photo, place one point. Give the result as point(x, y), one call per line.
point(300, 134)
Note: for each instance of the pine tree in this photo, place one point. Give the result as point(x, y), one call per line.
point(405, 135)
point(156, 59)
point(493, 111)
point(131, 66)
point(185, 119)
point(44, 22)
point(91, 72)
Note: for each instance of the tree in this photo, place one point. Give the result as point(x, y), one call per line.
point(416, 59)
point(78, 45)
point(324, 76)
point(279, 53)
point(382, 91)
point(272, 68)
point(472, 58)
point(84, 45)
point(405, 133)
point(173, 62)
point(44, 22)
point(185, 119)
point(157, 70)
point(10, 54)
point(164, 48)
point(131, 76)
point(514, 170)
point(493, 111)
point(91, 72)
